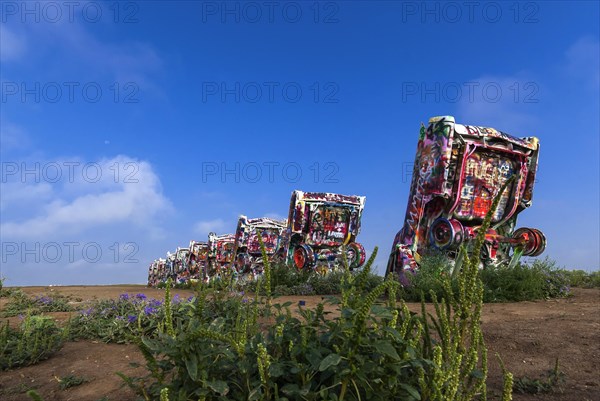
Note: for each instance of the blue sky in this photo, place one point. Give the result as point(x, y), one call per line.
point(129, 128)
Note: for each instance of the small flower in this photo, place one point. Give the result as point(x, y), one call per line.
point(87, 312)
point(132, 318)
point(44, 300)
point(155, 303)
point(148, 310)
point(140, 296)
point(124, 297)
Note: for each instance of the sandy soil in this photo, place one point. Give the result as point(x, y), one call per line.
point(529, 336)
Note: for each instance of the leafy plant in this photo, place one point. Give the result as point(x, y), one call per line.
point(21, 303)
point(525, 282)
point(237, 348)
point(583, 279)
point(124, 319)
point(34, 395)
point(288, 281)
point(70, 381)
point(429, 278)
point(552, 380)
point(521, 282)
point(455, 345)
point(237, 356)
point(37, 339)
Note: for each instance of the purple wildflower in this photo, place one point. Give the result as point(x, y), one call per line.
point(155, 303)
point(43, 300)
point(124, 297)
point(148, 310)
point(87, 312)
point(132, 318)
point(140, 296)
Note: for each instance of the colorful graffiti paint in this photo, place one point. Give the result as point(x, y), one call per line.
point(457, 173)
point(319, 225)
point(182, 273)
point(221, 252)
point(248, 254)
point(156, 272)
point(199, 263)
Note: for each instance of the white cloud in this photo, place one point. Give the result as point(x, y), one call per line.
point(275, 216)
point(54, 231)
point(504, 103)
point(82, 54)
point(13, 45)
point(12, 136)
point(81, 206)
point(128, 61)
point(583, 61)
point(18, 193)
point(204, 227)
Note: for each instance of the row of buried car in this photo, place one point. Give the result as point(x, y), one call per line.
point(320, 226)
point(458, 171)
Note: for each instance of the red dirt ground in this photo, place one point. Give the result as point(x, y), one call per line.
point(528, 335)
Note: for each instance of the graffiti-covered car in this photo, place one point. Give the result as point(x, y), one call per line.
point(198, 262)
point(170, 266)
point(248, 255)
point(157, 272)
point(182, 273)
point(153, 273)
point(221, 252)
point(458, 170)
point(320, 225)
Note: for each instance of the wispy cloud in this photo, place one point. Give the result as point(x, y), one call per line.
point(204, 227)
point(13, 45)
point(12, 136)
point(583, 61)
point(275, 215)
point(71, 47)
point(503, 102)
point(76, 207)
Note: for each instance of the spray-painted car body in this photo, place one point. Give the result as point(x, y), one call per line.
point(199, 262)
point(162, 270)
point(182, 274)
point(157, 272)
point(319, 225)
point(170, 265)
point(458, 171)
point(221, 252)
point(153, 275)
point(248, 255)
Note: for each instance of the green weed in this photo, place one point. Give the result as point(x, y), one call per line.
point(37, 339)
point(71, 381)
